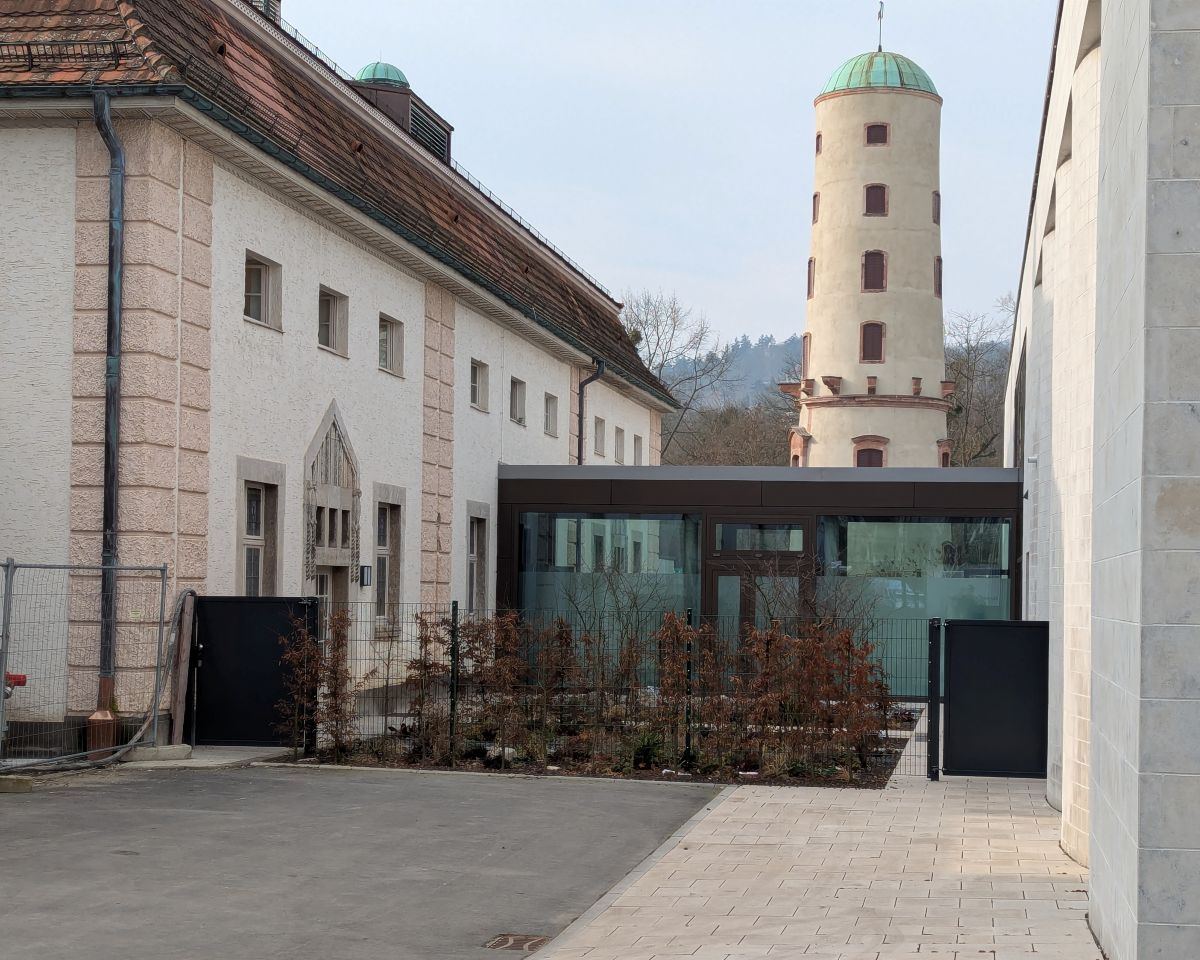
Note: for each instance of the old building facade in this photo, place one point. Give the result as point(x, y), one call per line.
point(872, 391)
point(331, 336)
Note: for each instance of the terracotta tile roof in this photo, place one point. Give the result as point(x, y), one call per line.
point(159, 42)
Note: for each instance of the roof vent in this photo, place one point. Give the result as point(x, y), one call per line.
point(386, 88)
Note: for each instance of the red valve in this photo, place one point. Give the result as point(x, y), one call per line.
point(15, 679)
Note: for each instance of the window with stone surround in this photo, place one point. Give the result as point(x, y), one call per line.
point(516, 401)
point(878, 134)
point(477, 564)
point(333, 312)
point(874, 271)
point(875, 200)
point(868, 457)
point(619, 445)
point(479, 385)
point(391, 345)
point(258, 549)
point(598, 436)
point(261, 296)
point(637, 450)
point(550, 415)
point(387, 557)
point(871, 338)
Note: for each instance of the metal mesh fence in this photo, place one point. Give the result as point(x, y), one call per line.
point(50, 655)
point(630, 690)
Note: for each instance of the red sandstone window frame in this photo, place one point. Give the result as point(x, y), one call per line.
point(881, 209)
point(883, 271)
point(812, 277)
point(805, 354)
point(871, 443)
point(819, 142)
point(875, 126)
point(862, 341)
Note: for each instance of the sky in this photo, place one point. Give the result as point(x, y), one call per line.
point(667, 144)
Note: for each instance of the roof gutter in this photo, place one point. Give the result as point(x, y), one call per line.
point(101, 726)
point(583, 385)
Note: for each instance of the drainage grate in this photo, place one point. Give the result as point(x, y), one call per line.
point(525, 942)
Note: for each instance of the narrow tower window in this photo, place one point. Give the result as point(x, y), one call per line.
point(876, 200)
point(868, 457)
point(871, 343)
point(818, 143)
point(805, 353)
point(937, 277)
point(874, 271)
point(937, 207)
point(816, 207)
point(812, 277)
point(878, 134)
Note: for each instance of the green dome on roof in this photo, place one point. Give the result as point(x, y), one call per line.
point(382, 73)
point(879, 69)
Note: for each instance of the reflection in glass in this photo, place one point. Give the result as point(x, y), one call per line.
point(759, 538)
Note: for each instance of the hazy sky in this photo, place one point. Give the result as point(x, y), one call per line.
point(668, 143)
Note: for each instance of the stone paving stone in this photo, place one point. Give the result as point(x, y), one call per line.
point(962, 869)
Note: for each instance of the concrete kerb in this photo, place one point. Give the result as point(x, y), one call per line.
point(606, 901)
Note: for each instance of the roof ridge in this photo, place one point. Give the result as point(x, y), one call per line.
point(142, 38)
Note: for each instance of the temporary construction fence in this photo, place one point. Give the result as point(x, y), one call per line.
point(623, 689)
point(55, 664)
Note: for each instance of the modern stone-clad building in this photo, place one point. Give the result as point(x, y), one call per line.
point(1103, 394)
point(330, 335)
point(872, 391)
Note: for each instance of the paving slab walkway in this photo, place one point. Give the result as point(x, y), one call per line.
point(968, 869)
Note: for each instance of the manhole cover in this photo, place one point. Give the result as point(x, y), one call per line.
point(525, 942)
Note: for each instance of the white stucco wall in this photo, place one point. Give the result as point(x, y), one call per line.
point(617, 410)
point(270, 390)
point(37, 267)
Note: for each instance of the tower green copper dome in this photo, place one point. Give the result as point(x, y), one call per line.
point(879, 70)
point(382, 73)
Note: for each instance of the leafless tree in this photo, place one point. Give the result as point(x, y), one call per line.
point(680, 348)
point(977, 346)
point(734, 434)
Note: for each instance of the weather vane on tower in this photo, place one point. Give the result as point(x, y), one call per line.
point(880, 18)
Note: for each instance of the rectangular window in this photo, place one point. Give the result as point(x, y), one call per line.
point(805, 352)
point(332, 313)
point(598, 436)
point(516, 401)
point(261, 295)
point(333, 527)
point(479, 385)
point(937, 277)
point(345, 529)
point(876, 200)
point(391, 345)
point(868, 457)
point(599, 552)
point(319, 525)
point(759, 538)
point(477, 564)
point(387, 557)
point(637, 450)
point(258, 539)
point(877, 134)
point(636, 566)
point(874, 271)
point(550, 422)
point(619, 445)
point(812, 277)
point(872, 343)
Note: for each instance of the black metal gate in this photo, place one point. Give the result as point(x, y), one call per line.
point(996, 697)
point(236, 680)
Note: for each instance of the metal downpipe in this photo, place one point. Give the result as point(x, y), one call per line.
point(583, 385)
point(102, 723)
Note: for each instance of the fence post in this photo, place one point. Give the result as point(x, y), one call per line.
point(453, 675)
point(687, 699)
point(10, 569)
point(933, 742)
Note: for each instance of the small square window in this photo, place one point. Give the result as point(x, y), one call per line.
point(516, 401)
point(875, 202)
point(333, 310)
point(637, 450)
point(619, 445)
point(391, 345)
point(598, 436)
point(878, 134)
point(479, 385)
point(261, 292)
point(550, 424)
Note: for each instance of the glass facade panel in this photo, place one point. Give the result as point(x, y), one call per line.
point(759, 538)
point(588, 564)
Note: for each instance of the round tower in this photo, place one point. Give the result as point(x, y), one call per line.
point(872, 391)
